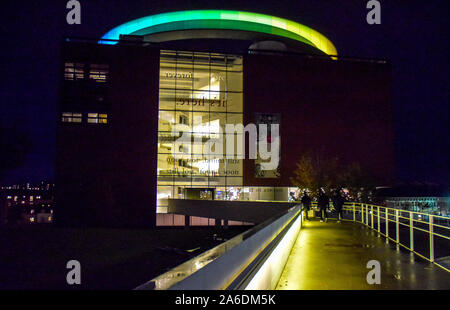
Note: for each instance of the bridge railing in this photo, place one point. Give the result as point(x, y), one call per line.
point(426, 235)
point(252, 260)
point(255, 259)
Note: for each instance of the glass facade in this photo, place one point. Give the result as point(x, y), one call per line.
point(200, 93)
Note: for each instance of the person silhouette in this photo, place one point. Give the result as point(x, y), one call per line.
point(338, 203)
point(323, 202)
point(306, 202)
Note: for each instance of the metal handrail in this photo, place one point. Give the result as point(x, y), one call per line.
point(399, 210)
point(400, 217)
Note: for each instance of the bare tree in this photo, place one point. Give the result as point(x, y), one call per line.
point(316, 171)
point(358, 181)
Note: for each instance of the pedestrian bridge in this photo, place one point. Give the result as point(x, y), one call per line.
point(290, 252)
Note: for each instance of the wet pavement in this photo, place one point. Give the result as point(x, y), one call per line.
point(334, 256)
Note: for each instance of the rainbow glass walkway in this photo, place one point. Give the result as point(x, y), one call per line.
point(334, 256)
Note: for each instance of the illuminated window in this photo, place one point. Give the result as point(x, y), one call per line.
point(99, 73)
point(70, 117)
point(97, 118)
point(103, 118)
point(73, 71)
point(202, 91)
point(31, 198)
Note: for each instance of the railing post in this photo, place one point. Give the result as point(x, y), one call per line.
point(387, 223)
point(354, 213)
point(362, 212)
point(367, 215)
point(397, 227)
point(363, 206)
point(371, 216)
point(431, 239)
point(411, 231)
point(378, 218)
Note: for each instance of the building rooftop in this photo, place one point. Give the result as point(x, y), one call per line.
point(220, 24)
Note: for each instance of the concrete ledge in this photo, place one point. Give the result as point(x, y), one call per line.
point(221, 272)
point(245, 211)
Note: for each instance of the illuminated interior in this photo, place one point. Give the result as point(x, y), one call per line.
point(222, 19)
point(203, 92)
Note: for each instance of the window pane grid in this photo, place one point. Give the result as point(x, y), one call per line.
point(70, 117)
point(194, 93)
point(73, 71)
point(97, 118)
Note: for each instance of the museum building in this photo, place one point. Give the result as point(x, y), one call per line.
point(118, 160)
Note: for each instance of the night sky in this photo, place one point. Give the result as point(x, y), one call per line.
point(413, 36)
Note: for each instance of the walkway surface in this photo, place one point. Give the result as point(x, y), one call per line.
point(334, 256)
